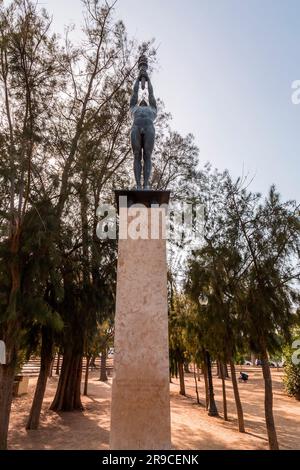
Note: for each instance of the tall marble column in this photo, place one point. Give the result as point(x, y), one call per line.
point(140, 412)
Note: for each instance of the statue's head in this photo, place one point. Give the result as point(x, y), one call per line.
point(143, 103)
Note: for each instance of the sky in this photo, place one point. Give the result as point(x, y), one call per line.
point(225, 73)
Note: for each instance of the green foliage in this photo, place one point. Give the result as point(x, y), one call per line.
point(177, 332)
point(292, 377)
point(291, 369)
point(243, 278)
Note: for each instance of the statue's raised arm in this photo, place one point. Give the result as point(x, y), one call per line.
point(152, 100)
point(135, 94)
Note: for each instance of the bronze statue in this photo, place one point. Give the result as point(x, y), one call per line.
point(142, 132)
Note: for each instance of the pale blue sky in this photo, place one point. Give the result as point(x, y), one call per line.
point(226, 69)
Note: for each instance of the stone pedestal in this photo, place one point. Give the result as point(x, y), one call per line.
point(140, 413)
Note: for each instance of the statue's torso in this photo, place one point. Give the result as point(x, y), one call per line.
point(143, 115)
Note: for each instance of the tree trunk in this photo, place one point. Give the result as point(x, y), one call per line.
point(10, 331)
point(7, 375)
point(46, 361)
point(103, 374)
point(196, 384)
point(86, 377)
point(50, 372)
point(253, 358)
point(222, 368)
point(218, 374)
point(225, 370)
point(212, 410)
point(270, 424)
point(92, 362)
point(204, 369)
point(186, 367)
point(198, 374)
point(67, 397)
point(57, 364)
point(181, 378)
point(238, 403)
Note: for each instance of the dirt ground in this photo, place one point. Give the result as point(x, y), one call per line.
point(191, 427)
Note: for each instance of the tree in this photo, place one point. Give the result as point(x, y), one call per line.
point(177, 348)
point(29, 83)
point(212, 283)
point(222, 373)
point(270, 232)
point(40, 291)
point(247, 270)
point(46, 361)
point(97, 72)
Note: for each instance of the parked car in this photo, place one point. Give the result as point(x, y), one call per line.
point(276, 364)
point(248, 363)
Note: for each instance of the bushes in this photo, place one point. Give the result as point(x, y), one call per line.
point(292, 375)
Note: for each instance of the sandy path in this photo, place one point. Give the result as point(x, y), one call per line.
point(191, 427)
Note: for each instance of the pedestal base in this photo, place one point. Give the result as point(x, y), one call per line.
point(140, 413)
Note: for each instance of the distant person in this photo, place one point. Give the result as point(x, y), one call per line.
point(243, 377)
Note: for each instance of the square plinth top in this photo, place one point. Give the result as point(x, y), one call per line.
point(145, 197)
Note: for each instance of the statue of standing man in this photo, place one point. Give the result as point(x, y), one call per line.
point(143, 131)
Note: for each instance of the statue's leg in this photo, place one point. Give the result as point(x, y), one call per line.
point(149, 137)
point(136, 143)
